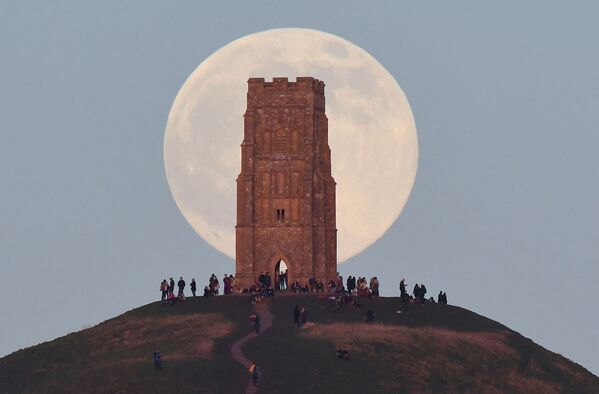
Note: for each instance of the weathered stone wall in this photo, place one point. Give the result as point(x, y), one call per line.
point(285, 191)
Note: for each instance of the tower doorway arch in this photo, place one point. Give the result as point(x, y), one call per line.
point(281, 275)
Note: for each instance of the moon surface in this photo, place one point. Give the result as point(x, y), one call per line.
point(372, 134)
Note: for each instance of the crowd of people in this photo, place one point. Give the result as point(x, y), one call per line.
point(167, 288)
point(344, 291)
point(418, 295)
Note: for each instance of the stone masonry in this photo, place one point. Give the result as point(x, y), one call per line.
point(285, 191)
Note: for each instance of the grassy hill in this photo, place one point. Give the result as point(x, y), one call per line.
point(425, 348)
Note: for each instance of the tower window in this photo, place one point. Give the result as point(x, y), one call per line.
point(280, 214)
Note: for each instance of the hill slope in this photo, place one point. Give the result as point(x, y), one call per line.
point(425, 348)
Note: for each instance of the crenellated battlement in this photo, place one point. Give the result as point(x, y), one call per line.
point(305, 84)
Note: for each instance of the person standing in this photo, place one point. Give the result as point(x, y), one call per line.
point(164, 289)
point(375, 287)
point(304, 316)
point(227, 284)
point(284, 282)
point(257, 324)
point(216, 285)
point(296, 316)
point(181, 285)
point(192, 286)
point(254, 372)
point(157, 360)
point(416, 292)
point(171, 286)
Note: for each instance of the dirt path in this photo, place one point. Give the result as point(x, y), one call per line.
point(265, 322)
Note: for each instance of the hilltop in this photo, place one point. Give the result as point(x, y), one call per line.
point(425, 348)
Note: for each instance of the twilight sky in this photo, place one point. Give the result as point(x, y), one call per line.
point(503, 215)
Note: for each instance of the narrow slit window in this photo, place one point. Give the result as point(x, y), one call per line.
point(282, 214)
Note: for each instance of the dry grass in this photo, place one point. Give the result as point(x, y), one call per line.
point(354, 334)
point(194, 336)
point(435, 349)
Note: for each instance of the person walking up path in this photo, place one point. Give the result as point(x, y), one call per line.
point(266, 317)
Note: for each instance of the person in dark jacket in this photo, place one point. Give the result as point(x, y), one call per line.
point(422, 293)
point(192, 286)
point(157, 360)
point(181, 285)
point(171, 286)
point(417, 292)
point(303, 316)
point(296, 316)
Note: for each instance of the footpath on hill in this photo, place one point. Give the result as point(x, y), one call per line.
point(266, 318)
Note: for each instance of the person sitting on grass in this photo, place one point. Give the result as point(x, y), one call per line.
point(171, 299)
point(342, 353)
point(207, 292)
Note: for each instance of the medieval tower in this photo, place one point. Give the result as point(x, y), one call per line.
point(285, 191)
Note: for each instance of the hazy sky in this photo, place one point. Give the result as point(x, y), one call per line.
point(503, 215)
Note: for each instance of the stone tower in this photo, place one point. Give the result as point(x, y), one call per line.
point(285, 191)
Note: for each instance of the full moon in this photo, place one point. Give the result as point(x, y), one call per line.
point(372, 134)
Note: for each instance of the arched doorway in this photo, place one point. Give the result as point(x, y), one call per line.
point(281, 275)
